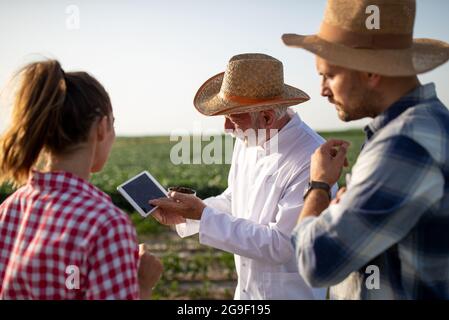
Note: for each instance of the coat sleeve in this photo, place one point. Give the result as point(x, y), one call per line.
point(221, 202)
point(269, 243)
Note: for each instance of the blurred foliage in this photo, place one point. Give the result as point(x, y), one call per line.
point(130, 156)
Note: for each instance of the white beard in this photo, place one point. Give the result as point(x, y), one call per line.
point(255, 140)
point(237, 134)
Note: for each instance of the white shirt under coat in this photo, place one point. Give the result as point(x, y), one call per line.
point(254, 217)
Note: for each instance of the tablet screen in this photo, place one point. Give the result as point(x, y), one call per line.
point(142, 189)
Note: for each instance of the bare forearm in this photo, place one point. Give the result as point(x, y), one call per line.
point(316, 202)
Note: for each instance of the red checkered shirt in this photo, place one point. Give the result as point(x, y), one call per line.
point(62, 238)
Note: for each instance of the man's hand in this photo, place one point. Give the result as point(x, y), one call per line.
point(328, 161)
point(326, 165)
point(179, 204)
point(340, 193)
point(150, 270)
point(167, 218)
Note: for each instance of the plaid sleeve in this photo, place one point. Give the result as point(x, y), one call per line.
point(113, 262)
point(394, 182)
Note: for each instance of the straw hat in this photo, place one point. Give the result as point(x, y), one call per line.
point(345, 40)
point(252, 82)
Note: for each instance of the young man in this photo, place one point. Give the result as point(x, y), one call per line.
point(386, 237)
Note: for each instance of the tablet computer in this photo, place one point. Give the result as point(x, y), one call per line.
point(141, 189)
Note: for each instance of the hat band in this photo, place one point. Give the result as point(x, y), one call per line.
point(352, 39)
point(246, 100)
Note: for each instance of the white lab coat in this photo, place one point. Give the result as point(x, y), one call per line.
point(254, 217)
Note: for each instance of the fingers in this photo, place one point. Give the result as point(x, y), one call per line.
point(149, 271)
point(181, 197)
point(168, 218)
point(158, 215)
point(169, 211)
point(341, 191)
point(142, 249)
point(337, 149)
point(168, 206)
point(183, 205)
point(164, 203)
point(341, 153)
point(333, 152)
point(332, 143)
point(174, 197)
point(146, 255)
point(337, 198)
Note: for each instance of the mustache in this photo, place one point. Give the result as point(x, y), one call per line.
point(332, 101)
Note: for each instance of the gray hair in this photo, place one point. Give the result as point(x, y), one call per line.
point(280, 112)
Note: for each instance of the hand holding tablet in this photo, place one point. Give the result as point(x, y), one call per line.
point(139, 190)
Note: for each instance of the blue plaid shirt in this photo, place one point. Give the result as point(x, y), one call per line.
point(388, 238)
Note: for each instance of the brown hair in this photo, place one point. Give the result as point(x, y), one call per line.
point(53, 111)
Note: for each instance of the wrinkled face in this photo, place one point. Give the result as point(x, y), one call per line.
point(345, 89)
point(243, 126)
point(240, 121)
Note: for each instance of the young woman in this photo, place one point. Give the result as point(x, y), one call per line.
point(61, 237)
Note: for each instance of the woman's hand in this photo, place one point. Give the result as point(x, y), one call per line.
point(149, 273)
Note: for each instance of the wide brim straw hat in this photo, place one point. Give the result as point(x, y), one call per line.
point(252, 82)
point(349, 38)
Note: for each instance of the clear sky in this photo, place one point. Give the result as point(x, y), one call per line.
point(152, 56)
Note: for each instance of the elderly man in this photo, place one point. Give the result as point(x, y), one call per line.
point(387, 236)
point(254, 217)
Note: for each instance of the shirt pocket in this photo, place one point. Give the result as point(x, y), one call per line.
point(289, 286)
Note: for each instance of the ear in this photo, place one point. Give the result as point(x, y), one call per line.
point(228, 124)
point(372, 80)
point(102, 128)
point(268, 117)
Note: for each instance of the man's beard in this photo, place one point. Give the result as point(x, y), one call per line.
point(251, 136)
point(359, 109)
point(238, 134)
point(343, 115)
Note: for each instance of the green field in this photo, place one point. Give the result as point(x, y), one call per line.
point(191, 271)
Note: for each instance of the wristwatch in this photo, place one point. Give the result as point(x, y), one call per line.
point(317, 185)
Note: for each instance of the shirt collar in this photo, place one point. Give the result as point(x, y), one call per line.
point(61, 180)
point(413, 98)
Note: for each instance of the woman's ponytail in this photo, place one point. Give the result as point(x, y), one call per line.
point(48, 115)
point(37, 108)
